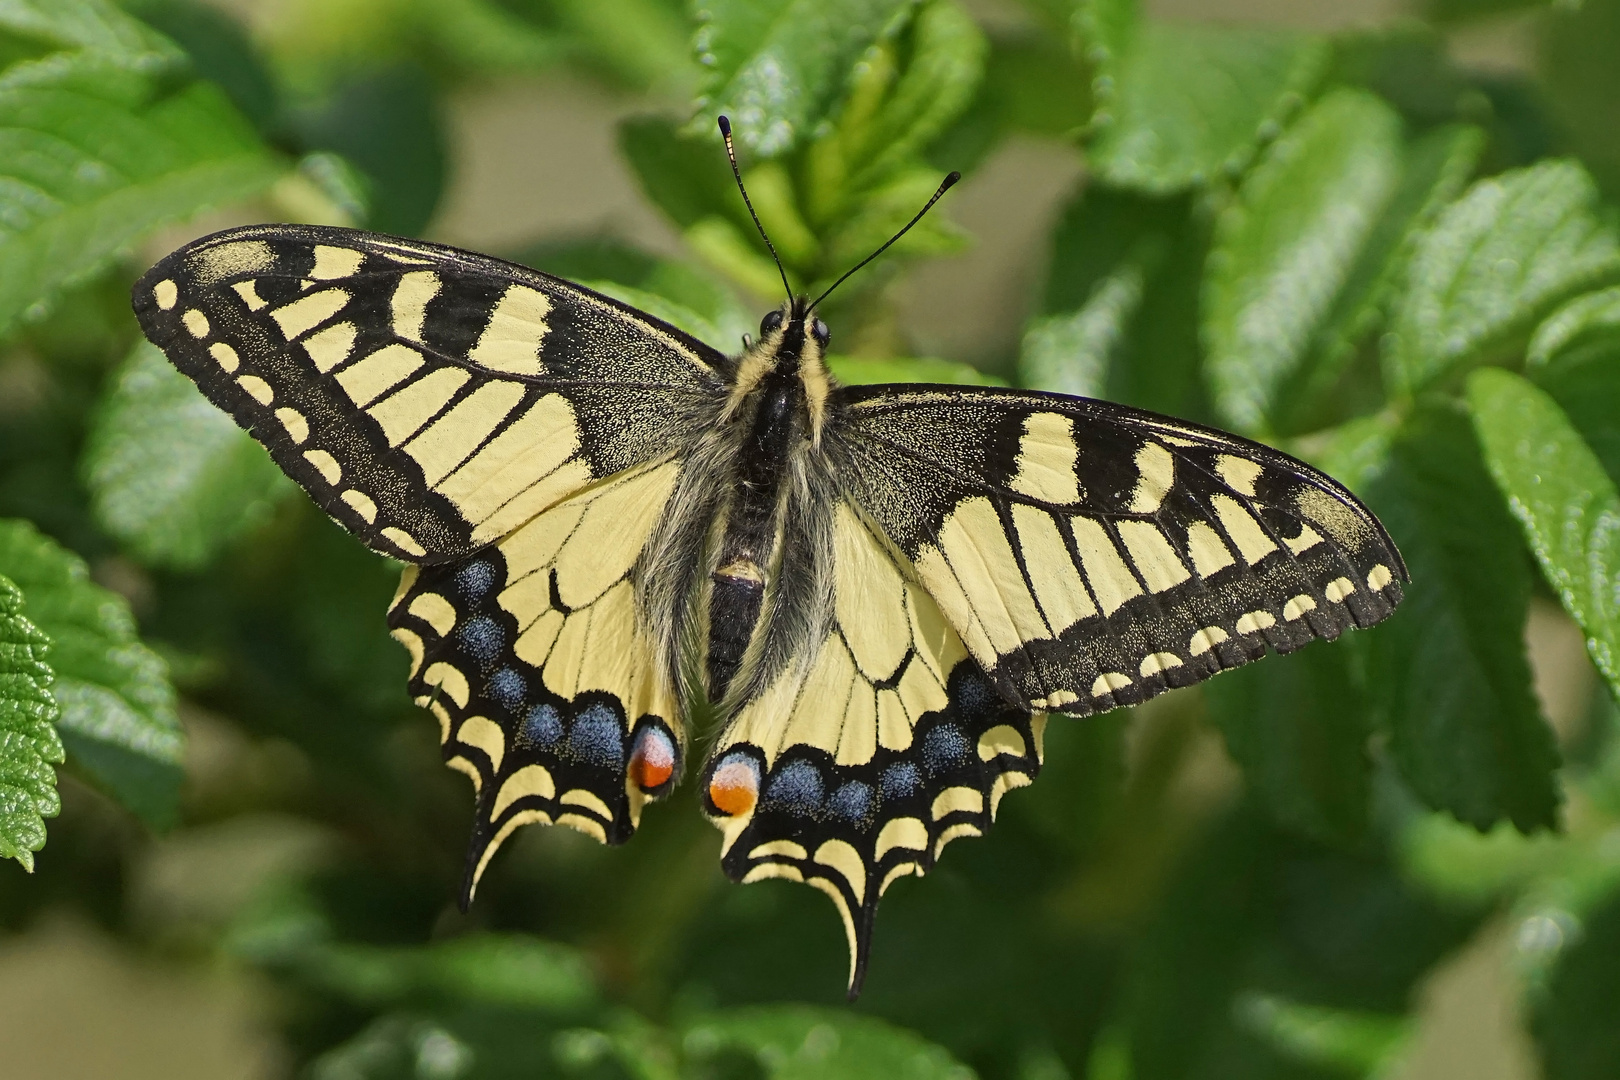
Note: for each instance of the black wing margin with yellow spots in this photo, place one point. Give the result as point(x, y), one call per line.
point(1092, 555)
point(429, 399)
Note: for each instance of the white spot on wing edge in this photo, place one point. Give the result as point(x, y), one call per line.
point(225, 356)
point(196, 322)
point(325, 464)
point(1205, 640)
point(404, 541)
point(1108, 682)
point(1254, 621)
point(165, 293)
point(1378, 577)
point(1338, 589)
point(1153, 663)
point(1298, 606)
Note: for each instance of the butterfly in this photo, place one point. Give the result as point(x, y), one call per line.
point(608, 525)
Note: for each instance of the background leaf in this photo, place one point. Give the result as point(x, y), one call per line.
point(1566, 502)
point(1181, 105)
point(1494, 263)
point(29, 744)
point(117, 708)
point(798, 1043)
point(111, 156)
point(776, 66)
point(1449, 671)
point(170, 475)
point(1286, 247)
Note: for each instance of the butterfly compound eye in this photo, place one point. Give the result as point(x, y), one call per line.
point(819, 331)
point(771, 321)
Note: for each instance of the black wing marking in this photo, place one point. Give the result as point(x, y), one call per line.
point(1093, 555)
point(531, 655)
point(429, 399)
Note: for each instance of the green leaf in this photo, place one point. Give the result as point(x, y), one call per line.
point(684, 176)
point(776, 66)
point(1593, 319)
point(492, 969)
point(1449, 670)
point(1493, 264)
point(1181, 105)
point(1355, 452)
point(1572, 1017)
point(117, 707)
point(172, 477)
point(854, 371)
point(1567, 504)
point(29, 744)
point(1286, 247)
point(947, 64)
point(87, 24)
point(92, 158)
point(1298, 727)
point(1073, 352)
point(798, 1042)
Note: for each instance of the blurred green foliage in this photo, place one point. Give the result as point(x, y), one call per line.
point(1402, 269)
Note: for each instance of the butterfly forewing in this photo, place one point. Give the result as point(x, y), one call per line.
point(429, 399)
point(1093, 556)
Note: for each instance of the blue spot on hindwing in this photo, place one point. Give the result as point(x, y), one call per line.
point(796, 788)
point(944, 748)
point(542, 727)
point(507, 689)
point(597, 737)
point(973, 692)
point(474, 580)
point(900, 780)
point(854, 802)
point(482, 638)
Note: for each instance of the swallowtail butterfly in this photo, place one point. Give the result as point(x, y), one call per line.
point(882, 590)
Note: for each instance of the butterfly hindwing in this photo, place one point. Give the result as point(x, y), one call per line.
point(429, 399)
point(533, 657)
point(857, 766)
point(1092, 556)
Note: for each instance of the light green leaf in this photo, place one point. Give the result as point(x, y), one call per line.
point(1586, 318)
point(1449, 670)
point(1179, 105)
point(88, 24)
point(798, 1042)
point(93, 156)
point(1072, 353)
point(1298, 727)
point(117, 707)
point(883, 211)
point(853, 371)
point(776, 67)
point(492, 969)
point(1493, 264)
point(1285, 248)
point(1562, 497)
point(644, 41)
point(29, 744)
point(170, 475)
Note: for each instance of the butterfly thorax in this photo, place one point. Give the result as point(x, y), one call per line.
point(772, 423)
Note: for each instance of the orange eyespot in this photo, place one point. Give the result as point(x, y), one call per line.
point(652, 762)
point(734, 786)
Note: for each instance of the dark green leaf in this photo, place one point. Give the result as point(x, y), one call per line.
point(1575, 357)
point(1181, 105)
point(1572, 1017)
point(1493, 264)
point(1586, 321)
point(220, 51)
point(684, 176)
point(171, 476)
point(797, 1042)
point(1285, 249)
point(110, 160)
point(1581, 83)
point(1449, 670)
point(29, 744)
point(854, 371)
point(1566, 502)
point(117, 707)
point(1298, 726)
point(387, 124)
point(492, 969)
point(776, 66)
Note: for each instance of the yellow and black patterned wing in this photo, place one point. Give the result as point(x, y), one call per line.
point(858, 765)
point(533, 657)
point(430, 400)
point(1092, 555)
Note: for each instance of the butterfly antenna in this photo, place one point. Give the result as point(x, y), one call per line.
point(945, 185)
point(731, 155)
